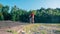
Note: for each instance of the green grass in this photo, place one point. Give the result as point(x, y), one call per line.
point(34, 28)
point(12, 31)
point(30, 28)
point(57, 31)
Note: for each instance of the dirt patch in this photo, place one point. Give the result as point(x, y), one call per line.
point(10, 25)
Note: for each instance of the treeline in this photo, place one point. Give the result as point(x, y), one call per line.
point(41, 15)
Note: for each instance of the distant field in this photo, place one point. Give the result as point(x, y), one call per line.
point(9, 27)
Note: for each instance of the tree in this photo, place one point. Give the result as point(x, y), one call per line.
point(1, 15)
point(5, 11)
point(13, 13)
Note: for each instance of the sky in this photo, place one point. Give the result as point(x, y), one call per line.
point(32, 4)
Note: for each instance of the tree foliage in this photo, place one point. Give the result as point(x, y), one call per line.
point(42, 15)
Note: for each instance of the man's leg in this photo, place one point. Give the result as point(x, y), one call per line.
point(32, 20)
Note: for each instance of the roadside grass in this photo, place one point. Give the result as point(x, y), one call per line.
point(12, 31)
point(34, 28)
point(31, 28)
point(43, 32)
point(57, 30)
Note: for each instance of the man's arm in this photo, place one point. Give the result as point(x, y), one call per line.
point(29, 15)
